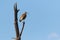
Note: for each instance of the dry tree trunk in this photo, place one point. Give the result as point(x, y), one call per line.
point(18, 33)
point(16, 22)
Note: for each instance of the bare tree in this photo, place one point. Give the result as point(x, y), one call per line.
point(18, 33)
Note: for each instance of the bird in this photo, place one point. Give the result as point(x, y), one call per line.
point(23, 16)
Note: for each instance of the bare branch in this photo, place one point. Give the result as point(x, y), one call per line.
point(16, 21)
point(22, 28)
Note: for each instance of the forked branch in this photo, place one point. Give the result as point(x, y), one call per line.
point(16, 21)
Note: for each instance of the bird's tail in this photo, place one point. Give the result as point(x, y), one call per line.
point(20, 20)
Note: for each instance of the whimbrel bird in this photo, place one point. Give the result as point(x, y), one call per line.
point(23, 16)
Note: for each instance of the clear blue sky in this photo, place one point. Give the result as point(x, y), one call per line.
point(42, 22)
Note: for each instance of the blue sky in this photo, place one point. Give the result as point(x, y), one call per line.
point(42, 22)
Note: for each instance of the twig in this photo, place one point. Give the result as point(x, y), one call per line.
point(22, 28)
